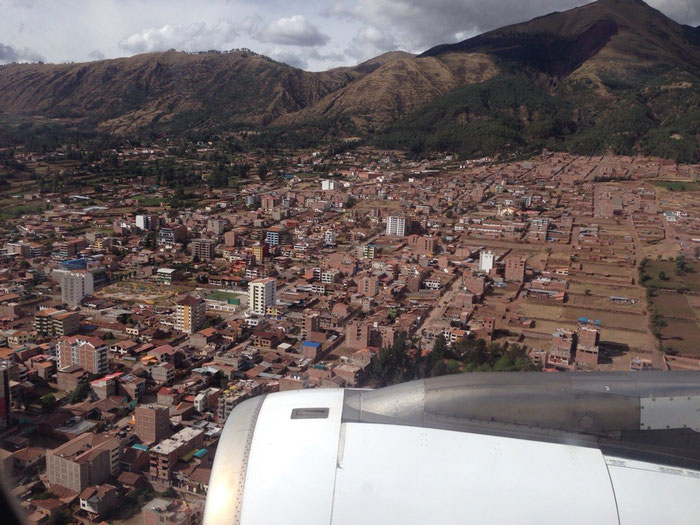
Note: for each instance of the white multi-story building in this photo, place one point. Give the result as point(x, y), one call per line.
point(75, 285)
point(327, 185)
point(396, 225)
point(330, 238)
point(261, 294)
point(486, 261)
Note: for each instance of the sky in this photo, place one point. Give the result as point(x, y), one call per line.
point(313, 35)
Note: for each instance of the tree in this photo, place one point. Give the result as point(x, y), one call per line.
point(48, 402)
point(662, 276)
point(80, 393)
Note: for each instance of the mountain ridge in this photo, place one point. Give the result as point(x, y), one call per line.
point(592, 56)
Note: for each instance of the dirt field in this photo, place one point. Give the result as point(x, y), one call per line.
point(605, 290)
point(633, 340)
point(540, 311)
point(608, 269)
point(609, 319)
point(593, 301)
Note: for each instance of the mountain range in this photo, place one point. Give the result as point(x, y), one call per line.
point(611, 75)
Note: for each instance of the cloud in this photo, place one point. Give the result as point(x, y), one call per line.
point(96, 54)
point(9, 53)
point(683, 11)
point(193, 37)
point(295, 31)
point(289, 57)
point(420, 24)
point(370, 42)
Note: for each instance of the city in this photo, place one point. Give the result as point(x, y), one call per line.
point(133, 324)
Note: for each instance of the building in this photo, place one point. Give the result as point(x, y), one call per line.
point(587, 350)
point(86, 460)
point(233, 396)
point(206, 400)
point(396, 225)
point(147, 222)
point(230, 238)
point(260, 251)
point(75, 285)
point(330, 238)
point(165, 455)
point(216, 226)
point(152, 423)
point(167, 275)
point(165, 512)
point(97, 500)
point(172, 233)
point(191, 314)
point(369, 251)
point(276, 236)
point(262, 293)
point(4, 397)
point(357, 334)
point(203, 249)
point(52, 322)
point(562, 348)
point(368, 286)
point(515, 269)
point(89, 353)
point(327, 185)
point(486, 260)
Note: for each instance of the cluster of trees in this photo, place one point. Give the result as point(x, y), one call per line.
point(399, 362)
point(224, 174)
point(506, 113)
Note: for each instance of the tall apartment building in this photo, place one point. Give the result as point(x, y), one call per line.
point(147, 222)
point(216, 226)
point(230, 238)
point(260, 251)
point(190, 314)
point(152, 423)
point(357, 334)
point(86, 460)
point(233, 396)
point(487, 260)
point(165, 455)
point(4, 396)
point(261, 294)
point(368, 286)
point(52, 322)
point(396, 225)
point(330, 238)
point(515, 269)
point(68, 249)
point(89, 353)
point(202, 248)
point(75, 285)
point(276, 236)
point(172, 233)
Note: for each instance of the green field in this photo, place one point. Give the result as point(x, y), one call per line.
point(677, 185)
point(223, 296)
point(690, 280)
point(671, 304)
point(148, 200)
